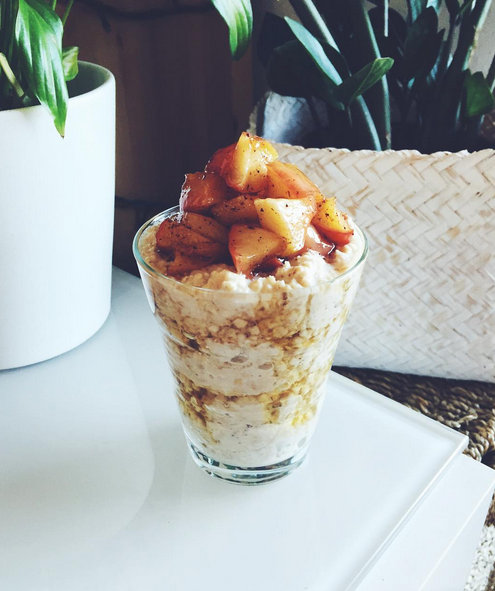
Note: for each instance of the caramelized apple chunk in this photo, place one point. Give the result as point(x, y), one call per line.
point(332, 223)
point(173, 236)
point(289, 218)
point(315, 241)
point(287, 181)
point(206, 226)
point(250, 246)
point(239, 210)
point(247, 170)
point(251, 205)
point(201, 190)
point(180, 263)
point(220, 161)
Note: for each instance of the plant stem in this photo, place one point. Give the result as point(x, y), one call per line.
point(5, 66)
point(411, 14)
point(445, 115)
point(312, 20)
point(443, 62)
point(385, 18)
point(67, 12)
point(339, 129)
point(364, 122)
point(470, 24)
point(490, 77)
point(314, 112)
point(54, 5)
point(378, 96)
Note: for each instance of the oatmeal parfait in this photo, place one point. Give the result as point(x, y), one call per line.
point(251, 278)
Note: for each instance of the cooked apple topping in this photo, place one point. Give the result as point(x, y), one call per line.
point(251, 210)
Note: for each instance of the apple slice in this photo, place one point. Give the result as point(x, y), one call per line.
point(250, 246)
point(314, 241)
point(174, 236)
point(182, 263)
point(207, 227)
point(287, 181)
point(220, 160)
point(239, 210)
point(332, 223)
point(247, 170)
point(288, 218)
point(201, 190)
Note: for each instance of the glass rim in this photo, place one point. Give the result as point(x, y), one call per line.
point(175, 209)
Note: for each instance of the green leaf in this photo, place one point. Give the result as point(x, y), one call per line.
point(427, 71)
point(292, 72)
point(315, 50)
point(238, 15)
point(274, 32)
point(464, 7)
point(69, 62)
point(317, 53)
point(39, 39)
point(415, 8)
point(422, 45)
point(452, 7)
point(436, 4)
point(365, 78)
point(390, 45)
point(479, 97)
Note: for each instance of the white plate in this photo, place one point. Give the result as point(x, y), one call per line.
point(98, 491)
point(389, 456)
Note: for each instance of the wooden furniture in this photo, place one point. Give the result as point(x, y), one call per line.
point(179, 96)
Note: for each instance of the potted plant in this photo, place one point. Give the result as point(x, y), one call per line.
point(379, 78)
point(392, 105)
point(57, 119)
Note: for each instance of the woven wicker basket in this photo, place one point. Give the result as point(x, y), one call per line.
point(427, 300)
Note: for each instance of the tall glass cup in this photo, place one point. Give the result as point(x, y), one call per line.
point(250, 368)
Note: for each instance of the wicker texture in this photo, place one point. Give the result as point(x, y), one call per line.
point(482, 575)
point(426, 302)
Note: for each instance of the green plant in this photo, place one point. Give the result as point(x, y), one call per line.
point(421, 95)
point(33, 66)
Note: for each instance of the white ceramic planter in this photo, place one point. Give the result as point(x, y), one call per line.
point(56, 222)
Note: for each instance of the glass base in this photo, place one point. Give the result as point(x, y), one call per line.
point(245, 476)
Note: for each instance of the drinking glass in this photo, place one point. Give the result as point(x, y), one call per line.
point(250, 368)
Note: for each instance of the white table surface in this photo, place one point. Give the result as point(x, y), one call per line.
point(97, 491)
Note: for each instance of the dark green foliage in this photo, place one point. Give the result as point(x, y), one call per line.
point(388, 78)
